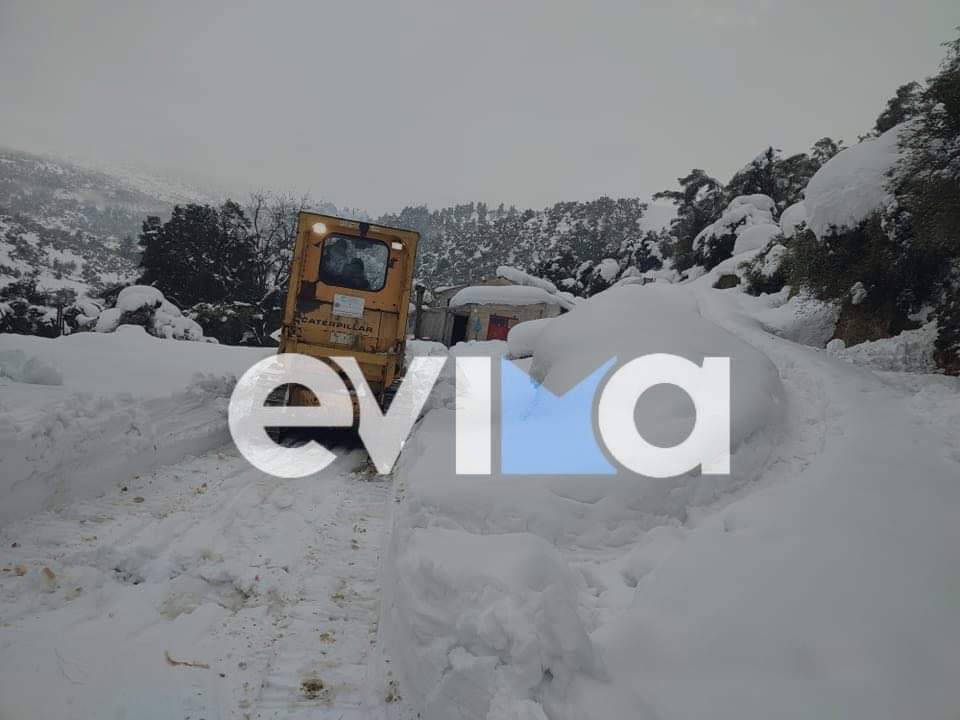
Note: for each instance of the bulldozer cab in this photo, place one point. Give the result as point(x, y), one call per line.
point(349, 295)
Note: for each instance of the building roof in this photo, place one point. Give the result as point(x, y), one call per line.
point(503, 295)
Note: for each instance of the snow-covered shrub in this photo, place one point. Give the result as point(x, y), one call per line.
point(27, 309)
point(746, 224)
point(793, 220)
point(891, 278)
point(147, 307)
point(767, 272)
point(22, 317)
point(947, 347)
point(235, 323)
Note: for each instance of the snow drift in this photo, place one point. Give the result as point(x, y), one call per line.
point(489, 602)
point(108, 406)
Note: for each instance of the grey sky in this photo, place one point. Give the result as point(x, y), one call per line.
point(382, 104)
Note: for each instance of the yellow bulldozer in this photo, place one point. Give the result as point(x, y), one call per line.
point(349, 295)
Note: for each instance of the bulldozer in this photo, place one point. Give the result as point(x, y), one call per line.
point(349, 295)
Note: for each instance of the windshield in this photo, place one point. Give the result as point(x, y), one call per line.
point(352, 262)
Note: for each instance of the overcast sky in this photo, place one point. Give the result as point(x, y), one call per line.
point(383, 104)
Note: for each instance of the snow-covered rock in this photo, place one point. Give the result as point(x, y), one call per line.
point(852, 184)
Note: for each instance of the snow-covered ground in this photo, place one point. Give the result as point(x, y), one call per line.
point(147, 571)
point(134, 538)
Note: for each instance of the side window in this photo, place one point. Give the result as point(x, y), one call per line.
point(355, 263)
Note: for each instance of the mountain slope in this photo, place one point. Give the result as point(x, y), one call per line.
point(74, 225)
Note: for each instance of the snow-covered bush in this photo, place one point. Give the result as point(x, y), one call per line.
point(947, 347)
point(147, 307)
point(878, 243)
point(746, 224)
point(235, 323)
point(767, 272)
point(793, 220)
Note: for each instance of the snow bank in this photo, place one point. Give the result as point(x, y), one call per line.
point(523, 337)
point(491, 583)
point(801, 318)
point(131, 361)
point(825, 593)
point(55, 448)
point(167, 321)
point(910, 351)
point(124, 402)
point(631, 321)
point(852, 184)
point(504, 295)
point(499, 616)
point(17, 366)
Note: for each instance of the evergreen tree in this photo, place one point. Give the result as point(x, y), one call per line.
point(901, 107)
point(201, 254)
point(699, 202)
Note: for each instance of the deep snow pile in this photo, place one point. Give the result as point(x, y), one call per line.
point(522, 338)
point(793, 586)
point(79, 412)
point(852, 184)
point(493, 584)
point(165, 318)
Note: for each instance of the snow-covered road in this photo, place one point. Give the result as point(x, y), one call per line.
point(817, 580)
point(202, 590)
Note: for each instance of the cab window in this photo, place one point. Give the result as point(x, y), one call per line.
point(355, 263)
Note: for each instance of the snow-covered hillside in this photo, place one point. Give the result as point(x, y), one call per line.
point(75, 225)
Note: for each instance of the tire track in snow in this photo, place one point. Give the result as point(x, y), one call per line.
point(271, 583)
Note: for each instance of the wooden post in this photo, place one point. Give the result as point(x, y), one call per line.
point(418, 320)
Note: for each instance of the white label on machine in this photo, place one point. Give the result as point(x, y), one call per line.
point(347, 305)
point(339, 338)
